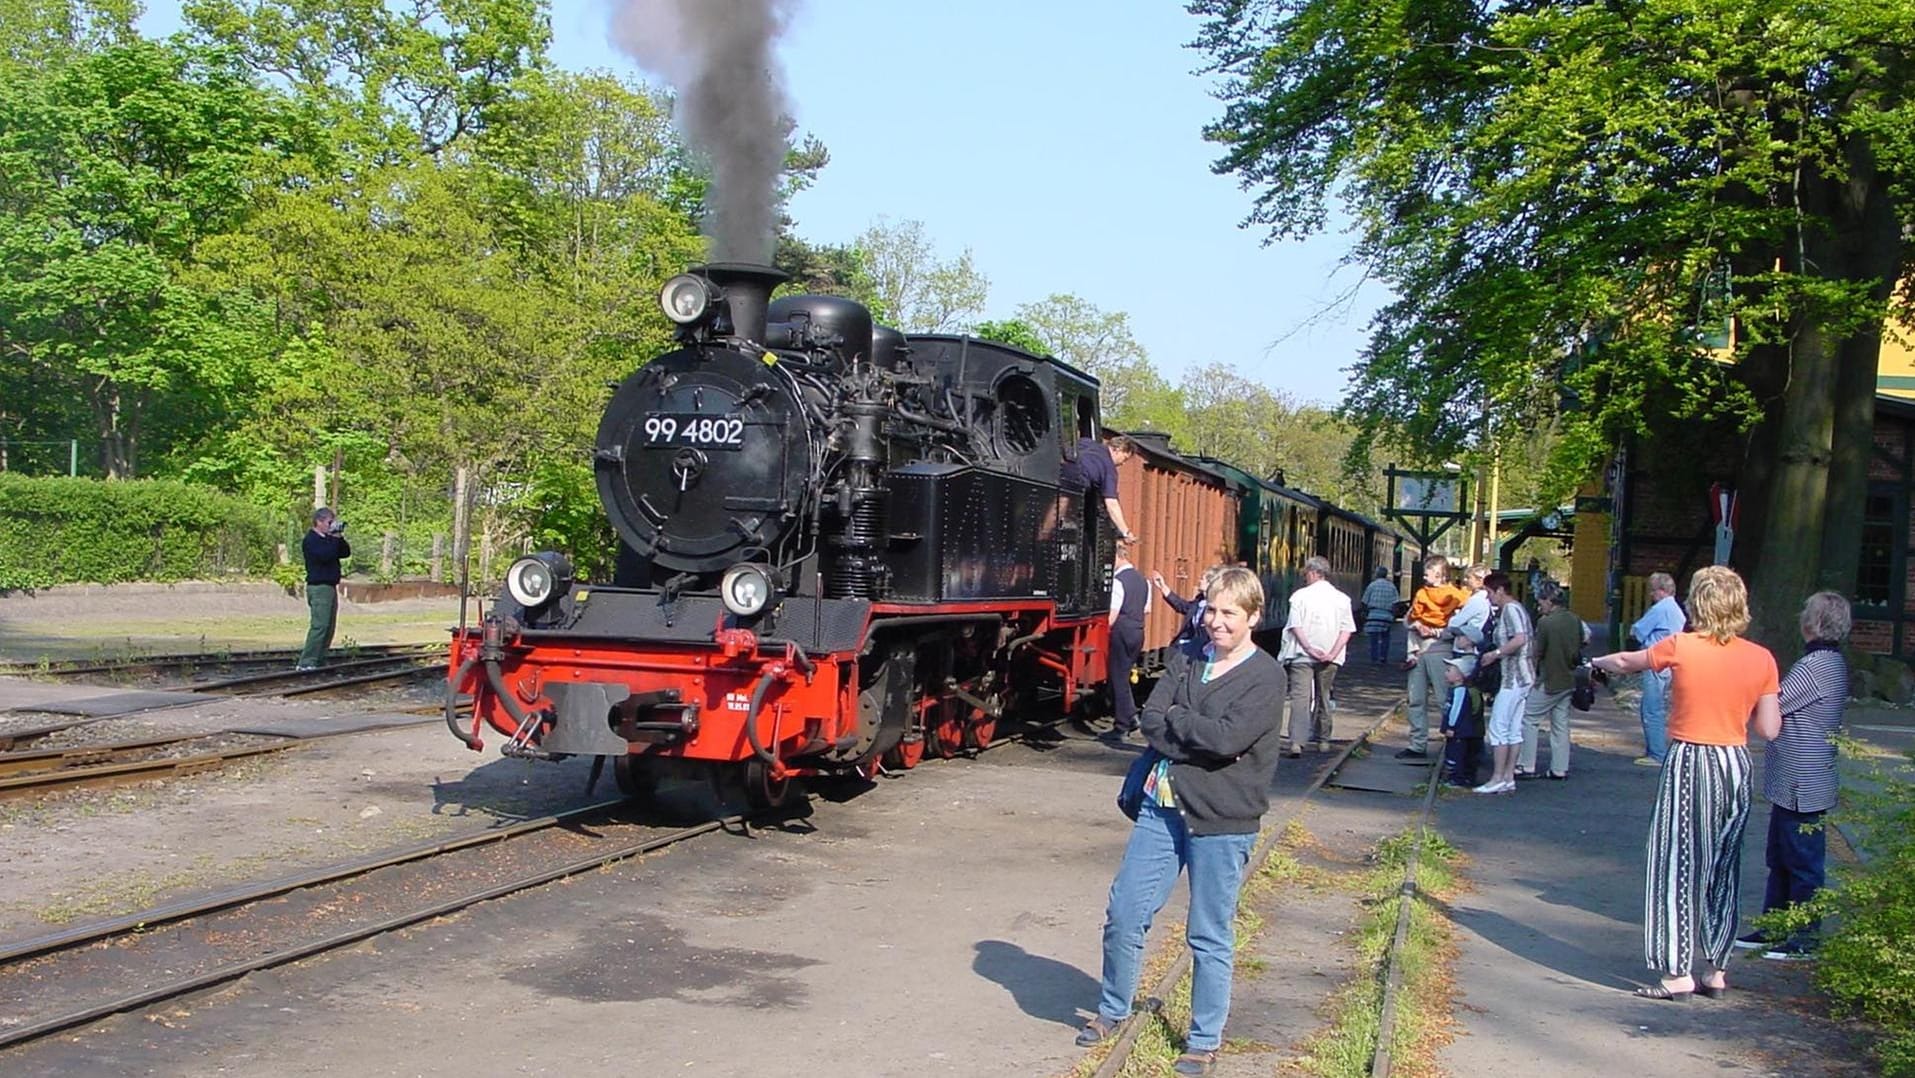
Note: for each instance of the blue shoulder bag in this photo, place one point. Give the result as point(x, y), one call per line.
point(1130, 796)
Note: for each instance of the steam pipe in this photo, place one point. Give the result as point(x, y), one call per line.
point(452, 714)
point(751, 718)
point(496, 678)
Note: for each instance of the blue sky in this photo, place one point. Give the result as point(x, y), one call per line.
point(1060, 141)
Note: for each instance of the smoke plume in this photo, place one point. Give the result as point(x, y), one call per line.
point(718, 56)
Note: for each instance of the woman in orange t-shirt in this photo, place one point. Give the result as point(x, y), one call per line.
point(1721, 684)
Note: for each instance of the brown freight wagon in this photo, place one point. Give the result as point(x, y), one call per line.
point(1185, 517)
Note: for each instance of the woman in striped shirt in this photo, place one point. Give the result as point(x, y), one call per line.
point(1722, 684)
point(1798, 771)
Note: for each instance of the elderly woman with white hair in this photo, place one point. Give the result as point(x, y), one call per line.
point(1798, 772)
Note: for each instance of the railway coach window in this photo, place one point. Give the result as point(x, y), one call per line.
point(1023, 413)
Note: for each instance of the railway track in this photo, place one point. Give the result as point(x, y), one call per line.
point(193, 661)
point(69, 978)
point(281, 683)
point(24, 774)
point(1124, 1046)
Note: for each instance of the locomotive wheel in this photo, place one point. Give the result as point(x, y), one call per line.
point(762, 792)
point(635, 781)
point(946, 735)
point(905, 755)
point(979, 731)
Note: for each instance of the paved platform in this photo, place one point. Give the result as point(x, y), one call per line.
point(1551, 937)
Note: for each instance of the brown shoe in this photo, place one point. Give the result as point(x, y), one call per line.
point(1195, 1063)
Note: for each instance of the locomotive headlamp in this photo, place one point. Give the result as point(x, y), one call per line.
point(745, 589)
point(686, 299)
point(539, 578)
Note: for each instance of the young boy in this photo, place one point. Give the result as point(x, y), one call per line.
point(1431, 608)
point(1462, 723)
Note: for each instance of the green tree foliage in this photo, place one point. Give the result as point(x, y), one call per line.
point(44, 34)
point(917, 291)
point(1012, 332)
point(114, 169)
point(389, 78)
point(1566, 196)
point(823, 269)
point(1097, 342)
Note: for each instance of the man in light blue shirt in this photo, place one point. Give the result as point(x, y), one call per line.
point(1663, 618)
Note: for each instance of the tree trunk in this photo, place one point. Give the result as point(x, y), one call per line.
point(1797, 492)
point(1764, 370)
point(106, 416)
point(1872, 244)
point(1850, 450)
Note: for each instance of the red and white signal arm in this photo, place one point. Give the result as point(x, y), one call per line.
point(1725, 506)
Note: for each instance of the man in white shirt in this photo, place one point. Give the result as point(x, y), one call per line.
point(1314, 640)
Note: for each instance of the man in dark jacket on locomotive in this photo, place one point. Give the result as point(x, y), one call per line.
point(1095, 470)
point(324, 547)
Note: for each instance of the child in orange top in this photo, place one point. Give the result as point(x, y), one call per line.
point(1431, 608)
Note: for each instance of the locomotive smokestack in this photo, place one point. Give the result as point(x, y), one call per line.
point(747, 287)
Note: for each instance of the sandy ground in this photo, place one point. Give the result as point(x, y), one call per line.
point(133, 619)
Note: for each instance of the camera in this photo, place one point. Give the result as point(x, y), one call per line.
point(337, 527)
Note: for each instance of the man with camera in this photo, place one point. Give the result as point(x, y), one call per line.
point(325, 546)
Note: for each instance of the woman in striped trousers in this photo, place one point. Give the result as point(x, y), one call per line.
point(1720, 685)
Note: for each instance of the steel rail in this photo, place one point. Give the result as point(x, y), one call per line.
point(1381, 1061)
point(238, 896)
point(44, 760)
point(73, 667)
point(309, 675)
point(236, 970)
point(1130, 1028)
point(219, 900)
point(134, 771)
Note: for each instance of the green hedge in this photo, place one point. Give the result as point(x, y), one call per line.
point(55, 530)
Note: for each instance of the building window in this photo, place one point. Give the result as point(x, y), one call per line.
point(1874, 584)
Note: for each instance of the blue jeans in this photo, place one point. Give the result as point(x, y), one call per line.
point(1655, 714)
point(1379, 642)
point(1160, 848)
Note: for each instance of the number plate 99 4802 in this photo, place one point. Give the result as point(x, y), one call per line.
point(690, 429)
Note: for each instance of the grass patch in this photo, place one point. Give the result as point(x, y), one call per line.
point(1345, 1047)
point(1160, 1038)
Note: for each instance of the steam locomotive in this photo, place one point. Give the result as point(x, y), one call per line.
point(841, 549)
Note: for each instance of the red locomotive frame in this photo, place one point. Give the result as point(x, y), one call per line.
point(769, 710)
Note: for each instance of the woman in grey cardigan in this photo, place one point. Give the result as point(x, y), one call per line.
point(1212, 720)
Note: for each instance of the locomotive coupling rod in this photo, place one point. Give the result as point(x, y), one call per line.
point(995, 711)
